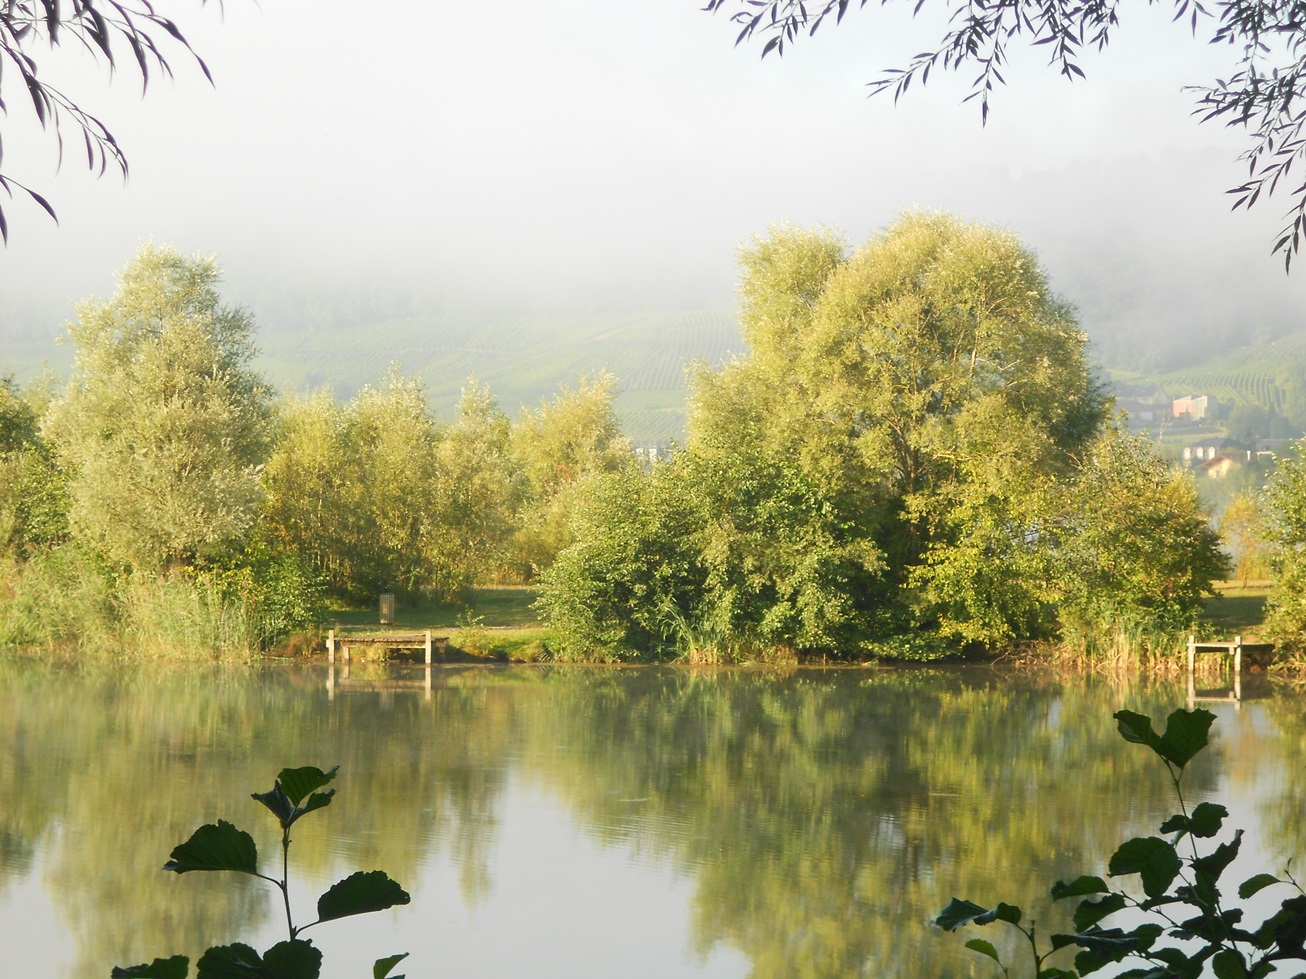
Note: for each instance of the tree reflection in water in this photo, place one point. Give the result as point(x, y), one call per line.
point(819, 818)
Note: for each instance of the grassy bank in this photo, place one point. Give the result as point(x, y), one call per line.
point(1236, 610)
point(497, 623)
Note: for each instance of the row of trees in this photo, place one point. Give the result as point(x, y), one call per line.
point(915, 457)
point(167, 455)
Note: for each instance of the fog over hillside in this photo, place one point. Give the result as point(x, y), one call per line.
point(479, 163)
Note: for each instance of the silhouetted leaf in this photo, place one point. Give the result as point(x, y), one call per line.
point(176, 967)
point(381, 968)
point(294, 959)
point(958, 913)
point(1228, 964)
point(360, 893)
point(1185, 735)
point(1210, 867)
point(235, 961)
point(299, 782)
point(1079, 887)
point(1254, 884)
point(1153, 858)
point(215, 847)
point(1137, 728)
point(1089, 913)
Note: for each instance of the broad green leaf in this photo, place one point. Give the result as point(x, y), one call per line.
point(278, 803)
point(299, 782)
point(1102, 947)
point(1178, 823)
point(984, 948)
point(318, 800)
point(958, 913)
point(381, 968)
point(295, 959)
point(1228, 964)
point(1210, 867)
point(235, 961)
point(1137, 728)
point(1289, 926)
point(1151, 857)
point(1173, 957)
point(215, 847)
point(1055, 973)
point(1258, 883)
point(1090, 913)
point(284, 802)
point(1208, 819)
point(1185, 735)
point(1079, 887)
point(360, 893)
point(1003, 912)
point(176, 967)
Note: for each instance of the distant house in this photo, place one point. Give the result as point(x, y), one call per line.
point(1199, 453)
point(1139, 410)
point(1193, 406)
point(1142, 406)
point(1224, 463)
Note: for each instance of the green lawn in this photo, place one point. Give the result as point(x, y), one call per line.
point(1236, 611)
point(492, 608)
point(497, 624)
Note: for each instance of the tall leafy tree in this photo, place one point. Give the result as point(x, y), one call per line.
point(1130, 550)
point(555, 446)
point(915, 446)
point(1242, 525)
point(925, 385)
point(1286, 533)
point(33, 489)
point(478, 491)
point(164, 425)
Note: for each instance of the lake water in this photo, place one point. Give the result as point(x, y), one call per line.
point(598, 822)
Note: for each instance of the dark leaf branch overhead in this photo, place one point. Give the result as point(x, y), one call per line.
point(112, 32)
point(1261, 95)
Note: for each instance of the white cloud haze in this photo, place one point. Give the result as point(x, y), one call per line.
point(592, 152)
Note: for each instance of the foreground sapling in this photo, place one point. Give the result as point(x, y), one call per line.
point(221, 846)
point(1181, 901)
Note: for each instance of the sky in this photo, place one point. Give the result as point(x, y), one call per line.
point(597, 155)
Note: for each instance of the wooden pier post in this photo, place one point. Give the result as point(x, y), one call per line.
point(428, 650)
point(331, 648)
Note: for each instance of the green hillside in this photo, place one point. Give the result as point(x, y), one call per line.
point(1271, 375)
point(524, 360)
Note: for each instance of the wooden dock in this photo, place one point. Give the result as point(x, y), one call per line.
point(1234, 649)
point(423, 640)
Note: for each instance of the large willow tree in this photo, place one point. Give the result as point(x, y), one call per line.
point(164, 425)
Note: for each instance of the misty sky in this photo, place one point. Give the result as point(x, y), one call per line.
point(615, 154)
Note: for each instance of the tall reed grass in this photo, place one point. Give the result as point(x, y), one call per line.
point(64, 600)
point(1124, 642)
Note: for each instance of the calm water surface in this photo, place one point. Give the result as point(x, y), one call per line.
point(596, 822)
